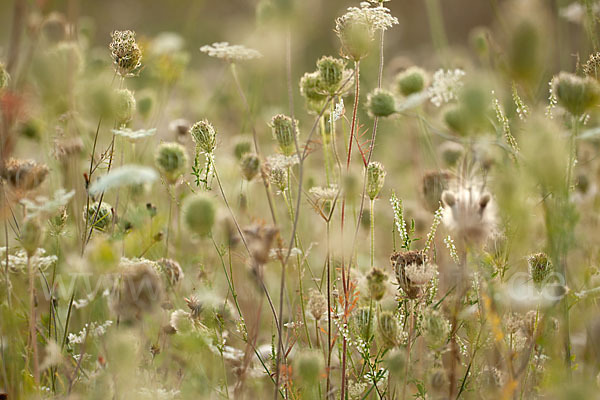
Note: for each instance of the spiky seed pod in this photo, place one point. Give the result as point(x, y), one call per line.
point(433, 184)
point(250, 165)
point(376, 281)
point(412, 80)
point(375, 179)
point(435, 329)
point(171, 159)
point(381, 103)
point(388, 329)
point(362, 322)
point(400, 261)
point(125, 107)
point(125, 52)
point(283, 132)
point(317, 304)
point(4, 77)
point(171, 269)
point(540, 267)
point(31, 235)
point(98, 215)
point(140, 291)
point(204, 135)
point(242, 146)
point(451, 152)
point(331, 73)
point(195, 306)
point(576, 94)
point(309, 365)
point(198, 213)
point(24, 175)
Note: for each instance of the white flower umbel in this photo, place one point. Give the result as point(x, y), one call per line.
point(445, 86)
point(230, 53)
point(134, 135)
point(42, 205)
point(127, 175)
point(376, 18)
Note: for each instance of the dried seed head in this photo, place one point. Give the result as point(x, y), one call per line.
point(171, 269)
point(250, 164)
point(412, 273)
point(98, 215)
point(24, 175)
point(388, 329)
point(205, 136)
point(310, 88)
point(375, 179)
point(412, 80)
point(355, 36)
point(592, 67)
point(434, 183)
point(198, 213)
point(283, 132)
point(376, 281)
point(317, 304)
point(576, 94)
point(540, 267)
point(125, 106)
point(140, 290)
point(331, 73)
point(171, 159)
point(125, 52)
point(381, 103)
point(195, 306)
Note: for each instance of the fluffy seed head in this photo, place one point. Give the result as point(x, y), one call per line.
point(375, 179)
point(171, 159)
point(204, 135)
point(283, 132)
point(411, 272)
point(412, 80)
point(435, 329)
point(470, 213)
point(125, 52)
point(381, 103)
point(250, 165)
point(317, 304)
point(242, 146)
point(199, 214)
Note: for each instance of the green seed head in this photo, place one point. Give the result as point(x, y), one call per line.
point(376, 281)
point(199, 214)
point(435, 329)
point(540, 267)
point(388, 329)
point(310, 87)
point(171, 159)
point(283, 132)
point(362, 322)
point(204, 135)
point(381, 103)
point(331, 73)
point(250, 164)
point(375, 179)
point(31, 235)
point(242, 146)
point(125, 107)
point(99, 218)
point(576, 94)
point(412, 80)
point(355, 36)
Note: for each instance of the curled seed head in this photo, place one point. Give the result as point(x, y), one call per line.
point(375, 179)
point(204, 135)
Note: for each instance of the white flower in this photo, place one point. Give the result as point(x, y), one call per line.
point(134, 135)
point(124, 176)
point(18, 261)
point(280, 161)
point(323, 193)
point(225, 51)
point(445, 86)
point(43, 205)
point(95, 330)
point(280, 253)
point(375, 17)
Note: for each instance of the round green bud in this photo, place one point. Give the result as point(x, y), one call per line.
point(242, 146)
point(456, 119)
point(171, 159)
point(199, 214)
point(355, 36)
point(375, 179)
point(412, 80)
point(376, 282)
point(283, 132)
point(250, 164)
point(31, 235)
point(540, 267)
point(309, 365)
point(381, 103)
point(125, 106)
point(310, 86)
point(331, 73)
point(98, 216)
point(204, 135)
point(388, 329)
point(576, 94)
point(4, 77)
point(435, 329)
